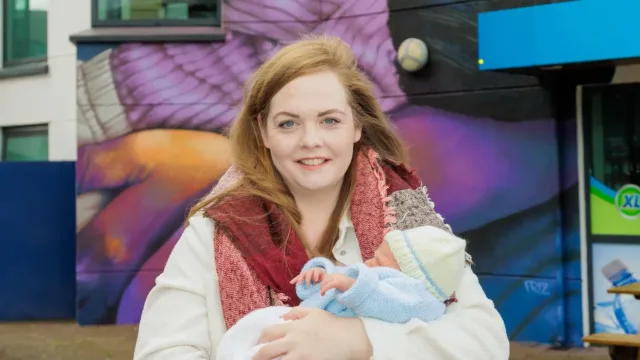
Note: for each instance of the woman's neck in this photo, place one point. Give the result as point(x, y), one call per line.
point(316, 208)
point(317, 204)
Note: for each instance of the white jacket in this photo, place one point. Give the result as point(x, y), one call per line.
point(182, 317)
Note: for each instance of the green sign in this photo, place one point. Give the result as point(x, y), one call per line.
point(614, 212)
point(628, 201)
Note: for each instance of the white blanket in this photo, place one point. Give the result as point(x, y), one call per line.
point(240, 341)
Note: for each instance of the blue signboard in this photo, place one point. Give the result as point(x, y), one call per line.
point(561, 33)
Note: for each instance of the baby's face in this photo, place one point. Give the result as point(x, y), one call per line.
point(383, 257)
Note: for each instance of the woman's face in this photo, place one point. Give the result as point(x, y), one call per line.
point(310, 133)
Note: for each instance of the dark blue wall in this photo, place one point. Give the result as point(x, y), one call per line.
point(37, 222)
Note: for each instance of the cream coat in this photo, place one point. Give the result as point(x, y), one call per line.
point(182, 317)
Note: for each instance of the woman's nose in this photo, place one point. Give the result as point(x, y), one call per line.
point(311, 137)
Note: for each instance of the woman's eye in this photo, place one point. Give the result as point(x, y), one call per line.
point(287, 124)
point(330, 121)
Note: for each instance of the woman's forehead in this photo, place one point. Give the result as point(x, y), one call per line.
point(313, 93)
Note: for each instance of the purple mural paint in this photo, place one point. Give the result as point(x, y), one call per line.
point(150, 118)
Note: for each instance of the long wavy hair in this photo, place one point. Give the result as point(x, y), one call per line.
point(311, 54)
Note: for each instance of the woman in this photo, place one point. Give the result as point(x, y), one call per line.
point(317, 172)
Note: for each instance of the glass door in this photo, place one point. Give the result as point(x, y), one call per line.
point(611, 134)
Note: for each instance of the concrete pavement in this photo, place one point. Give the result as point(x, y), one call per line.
point(66, 341)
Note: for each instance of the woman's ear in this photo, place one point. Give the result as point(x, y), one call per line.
point(358, 134)
point(263, 131)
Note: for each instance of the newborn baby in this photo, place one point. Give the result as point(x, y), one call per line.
point(413, 274)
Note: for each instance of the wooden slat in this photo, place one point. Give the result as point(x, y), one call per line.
point(631, 289)
point(613, 339)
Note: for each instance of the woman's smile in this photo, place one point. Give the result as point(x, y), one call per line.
point(313, 163)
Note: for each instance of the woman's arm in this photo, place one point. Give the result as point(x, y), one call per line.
point(181, 317)
point(471, 329)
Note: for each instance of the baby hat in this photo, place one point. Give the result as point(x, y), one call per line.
point(433, 255)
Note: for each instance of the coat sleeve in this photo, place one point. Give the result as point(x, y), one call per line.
point(182, 316)
point(389, 295)
point(470, 329)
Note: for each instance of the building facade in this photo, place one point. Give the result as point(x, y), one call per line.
point(37, 156)
point(37, 78)
point(500, 152)
point(486, 144)
point(565, 42)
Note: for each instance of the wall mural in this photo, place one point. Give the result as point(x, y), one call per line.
point(149, 145)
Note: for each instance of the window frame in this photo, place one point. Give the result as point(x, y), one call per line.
point(151, 23)
point(9, 131)
point(18, 62)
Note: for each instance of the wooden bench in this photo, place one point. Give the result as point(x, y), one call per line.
point(621, 346)
point(631, 289)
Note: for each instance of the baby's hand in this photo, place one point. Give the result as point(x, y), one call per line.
point(339, 282)
point(311, 276)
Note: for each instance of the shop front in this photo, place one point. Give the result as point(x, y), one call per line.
point(582, 38)
point(611, 226)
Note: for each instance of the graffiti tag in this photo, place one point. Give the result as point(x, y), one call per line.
point(537, 287)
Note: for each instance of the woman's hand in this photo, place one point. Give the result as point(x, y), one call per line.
point(296, 313)
point(317, 336)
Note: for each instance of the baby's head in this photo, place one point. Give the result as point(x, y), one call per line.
point(426, 253)
point(383, 257)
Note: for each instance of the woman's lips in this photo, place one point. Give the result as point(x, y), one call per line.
point(312, 164)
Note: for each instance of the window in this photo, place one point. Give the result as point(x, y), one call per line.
point(24, 31)
point(615, 136)
point(156, 12)
point(25, 143)
point(612, 162)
